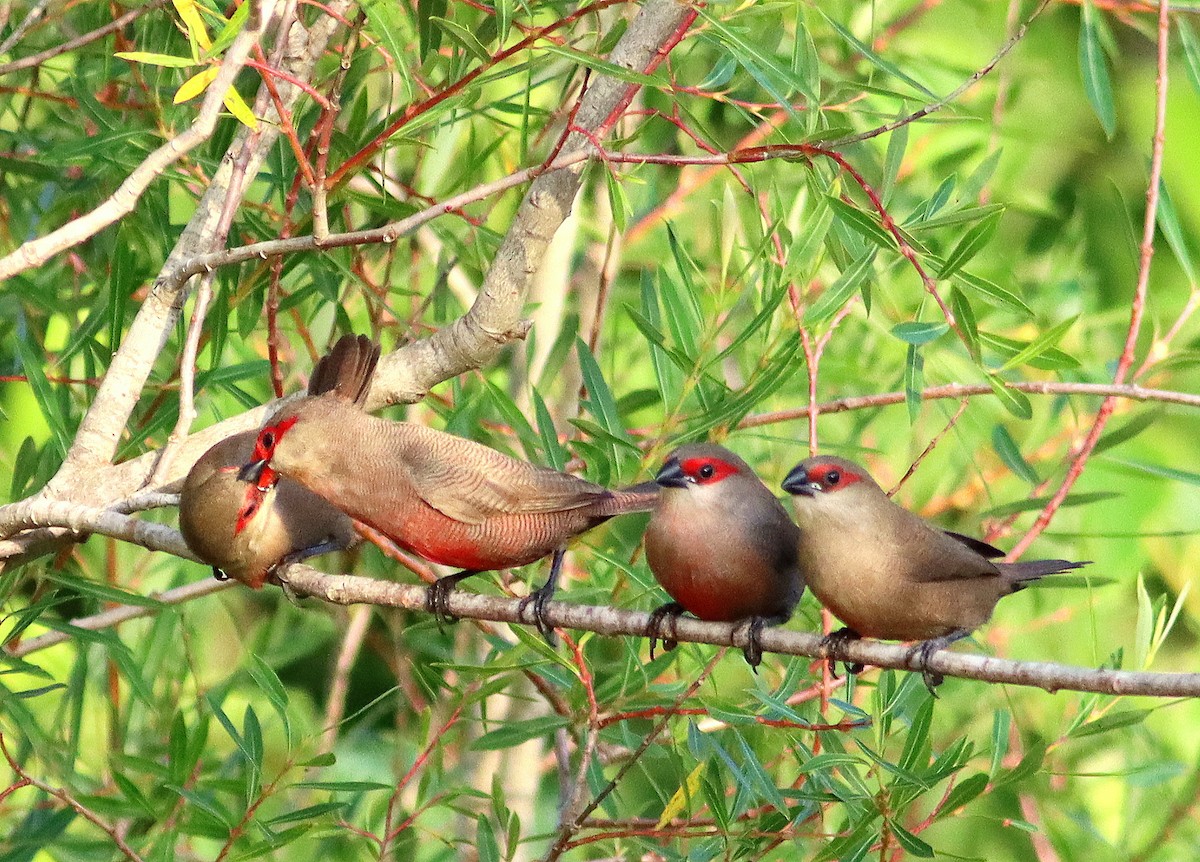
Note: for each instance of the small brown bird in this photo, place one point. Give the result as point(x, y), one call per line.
point(246, 533)
point(451, 500)
point(886, 573)
point(721, 545)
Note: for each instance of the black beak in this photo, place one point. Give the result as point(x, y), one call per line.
point(671, 475)
point(253, 471)
point(797, 482)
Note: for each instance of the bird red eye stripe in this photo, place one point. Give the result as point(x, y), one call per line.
point(833, 476)
point(717, 469)
point(268, 438)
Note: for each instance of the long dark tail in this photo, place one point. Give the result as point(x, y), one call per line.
point(1020, 575)
point(346, 370)
point(636, 498)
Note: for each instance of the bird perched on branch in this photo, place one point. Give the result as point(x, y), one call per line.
point(721, 545)
point(246, 532)
point(451, 500)
point(888, 574)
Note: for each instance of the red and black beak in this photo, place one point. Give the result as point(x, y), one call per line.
point(797, 482)
point(260, 473)
point(671, 475)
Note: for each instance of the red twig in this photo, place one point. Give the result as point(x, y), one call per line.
point(1138, 305)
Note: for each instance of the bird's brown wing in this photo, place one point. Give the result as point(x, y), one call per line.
point(470, 482)
point(937, 555)
point(977, 545)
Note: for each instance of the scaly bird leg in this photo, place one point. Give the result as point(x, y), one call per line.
point(654, 628)
point(437, 598)
point(923, 651)
point(541, 596)
point(754, 628)
point(830, 645)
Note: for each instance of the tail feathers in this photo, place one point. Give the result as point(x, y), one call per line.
point(642, 497)
point(1020, 575)
point(346, 371)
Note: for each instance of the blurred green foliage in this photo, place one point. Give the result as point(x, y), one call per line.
point(681, 308)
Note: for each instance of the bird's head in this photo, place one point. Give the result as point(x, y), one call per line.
point(826, 477)
point(258, 472)
point(699, 466)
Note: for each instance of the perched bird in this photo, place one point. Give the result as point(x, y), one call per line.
point(244, 532)
point(721, 545)
point(451, 500)
point(886, 573)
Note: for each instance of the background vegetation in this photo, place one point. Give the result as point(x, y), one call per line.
point(681, 300)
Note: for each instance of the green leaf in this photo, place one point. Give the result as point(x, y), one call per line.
point(1014, 402)
point(32, 368)
point(1010, 453)
point(310, 813)
point(1035, 503)
point(838, 294)
point(344, 786)
point(269, 683)
point(486, 846)
point(972, 242)
point(992, 293)
point(103, 592)
point(165, 60)
point(865, 224)
point(874, 59)
point(914, 381)
point(1001, 725)
point(1168, 223)
point(919, 334)
point(1093, 67)
point(914, 845)
point(1128, 431)
point(516, 732)
point(1191, 50)
point(1112, 721)
point(1040, 345)
point(555, 453)
point(961, 308)
point(964, 791)
point(600, 401)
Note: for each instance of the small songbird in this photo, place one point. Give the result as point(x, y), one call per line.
point(244, 532)
point(886, 573)
point(721, 545)
point(451, 500)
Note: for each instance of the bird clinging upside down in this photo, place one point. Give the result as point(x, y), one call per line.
point(451, 500)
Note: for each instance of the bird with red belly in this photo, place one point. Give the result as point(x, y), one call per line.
point(451, 500)
point(886, 573)
point(721, 545)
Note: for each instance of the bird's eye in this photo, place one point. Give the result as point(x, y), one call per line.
point(250, 510)
point(268, 440)
point(707, 471)
point(833, 477)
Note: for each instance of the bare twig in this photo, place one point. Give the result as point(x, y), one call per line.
point(79, 41)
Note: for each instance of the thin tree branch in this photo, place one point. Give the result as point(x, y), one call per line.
point(79, 41)
point(350, 589)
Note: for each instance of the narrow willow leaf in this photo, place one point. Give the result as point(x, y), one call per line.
point(972, 242)
point(991, 292)
point(230, 31)
point(914, 381)
point(600, 399)
point(1001, 725)
point(1010, 453)
point(1128, 431)
point(1112, 721)
point(968, 215)
point(553, 451)
point(516, 732)
point(196, 84)
point(190, 13)
point(759, 63)
point(876, 60)
point(1040, 345)
point(238, 107)
point(166, 60)
point(864, 224)
point(914, 845)
point(31, 367)
point(1168, 222)
point(919, 334)
point(838, 294)
point(1093, 67)
point(464, 37)
point(1191, 50)
point(897, 146)
point(1016, 403)
point(963, 792)
point(960, 306)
